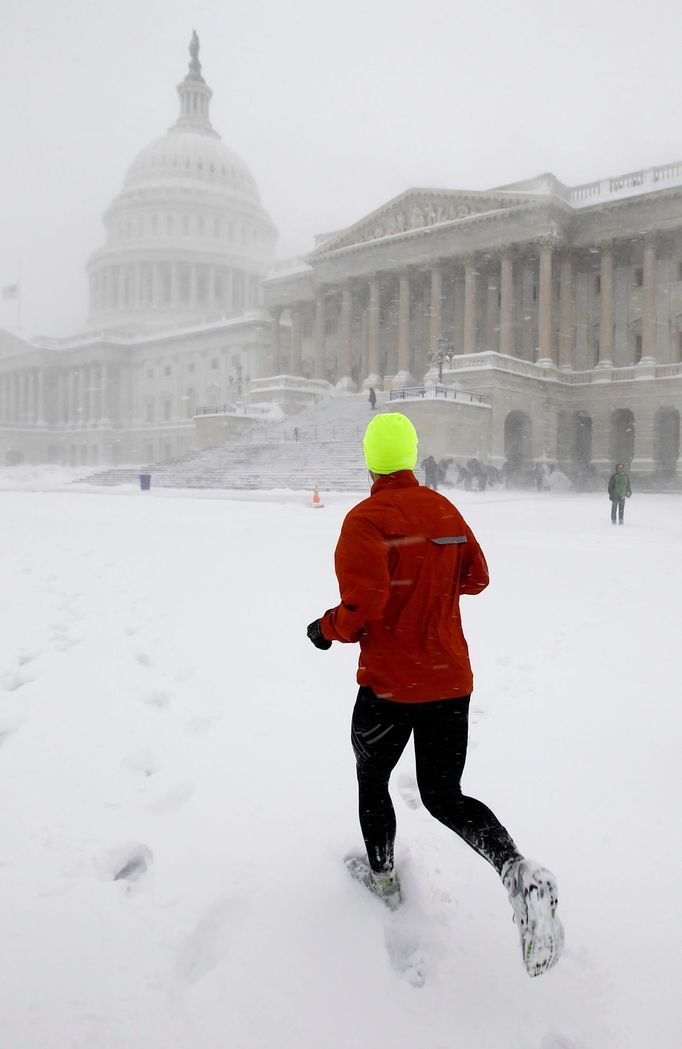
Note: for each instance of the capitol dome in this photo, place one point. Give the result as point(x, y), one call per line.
point(187, 236)
point(191, 157)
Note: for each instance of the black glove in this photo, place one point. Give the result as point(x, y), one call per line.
point(315, 634)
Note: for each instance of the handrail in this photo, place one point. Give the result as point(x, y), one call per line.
point(431, 392)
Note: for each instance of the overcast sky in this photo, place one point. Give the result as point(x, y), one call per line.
point(335, 108)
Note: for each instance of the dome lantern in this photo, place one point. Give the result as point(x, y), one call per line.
point(195, 94)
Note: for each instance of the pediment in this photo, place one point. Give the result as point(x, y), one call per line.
point(415, 210)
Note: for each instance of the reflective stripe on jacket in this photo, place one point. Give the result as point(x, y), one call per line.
point(404, 556)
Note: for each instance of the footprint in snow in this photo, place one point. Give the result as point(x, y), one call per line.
point(409, 791)
point(127, 863)
point(12, 680)
point(142, 763)
point(157, 697)
point(26, 656)
point(143, 659)
point(207, 944)
point(173, 799)
point(62, 637)
point(7, 729)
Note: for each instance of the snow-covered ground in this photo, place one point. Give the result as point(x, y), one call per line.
point(177, 787)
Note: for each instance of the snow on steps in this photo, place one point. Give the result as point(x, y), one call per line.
point(277, 461)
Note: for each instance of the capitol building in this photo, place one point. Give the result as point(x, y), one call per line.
point(529, 322)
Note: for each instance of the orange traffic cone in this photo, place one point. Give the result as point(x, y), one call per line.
point(316, 503)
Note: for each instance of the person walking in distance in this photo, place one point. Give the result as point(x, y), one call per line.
point(620, 489)
point(404, 557)
point(372, 398)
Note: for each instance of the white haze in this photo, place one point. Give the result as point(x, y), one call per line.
point(335, 108)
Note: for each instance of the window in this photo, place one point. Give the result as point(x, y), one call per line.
point(185, 225)
point(155, 224)
point(167, 410)
point(190, 366)
point(535, 293)
point(638, 277)
point(167, 369)
point(679, 270)
point(150, 411)
point(638, 348)
point(597, 284)
point(150, 373)
point(169, 224)
point(215, 363)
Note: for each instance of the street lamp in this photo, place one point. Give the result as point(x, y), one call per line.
point(444, 352)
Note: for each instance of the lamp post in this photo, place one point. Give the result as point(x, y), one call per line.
point(444, 352)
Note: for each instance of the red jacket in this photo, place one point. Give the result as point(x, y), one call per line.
point(400, 580)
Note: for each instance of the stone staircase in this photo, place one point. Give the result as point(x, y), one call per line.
point(321, 445)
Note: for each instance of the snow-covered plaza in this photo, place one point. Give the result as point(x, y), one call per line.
point(177, 786)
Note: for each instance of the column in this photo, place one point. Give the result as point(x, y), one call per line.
point(211, 295)
point(104, 393)
point(404, 349)
point(373, 316)
point(436, 311)
point(77, 398)
point(61, 398)
point(649, 302)
point(21, 417)
point(93, 399)
point(30, 395)
point(507, 304)
point(545, 306)
point(276, 341)
point(156, 285)
point(192, 286)
point(345, 380)
point(229, 290)
point(606, 306)
point(174, 285)
point(3, 398)
point(492, 324)
point(137, 286)
point(296, 367)
point(566, 311)
point(469, 306)
point(320, 338)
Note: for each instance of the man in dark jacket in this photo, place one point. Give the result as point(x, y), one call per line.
point(403, 558)
point(619, 490)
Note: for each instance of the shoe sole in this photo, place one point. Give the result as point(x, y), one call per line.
point(543, 937)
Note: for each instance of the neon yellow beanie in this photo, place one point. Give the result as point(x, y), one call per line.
point(390, 444)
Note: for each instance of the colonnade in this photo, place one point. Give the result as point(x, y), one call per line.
point(178, 285)
point(80, 396)
point(494, 294)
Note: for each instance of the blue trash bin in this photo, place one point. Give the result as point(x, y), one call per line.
point(145, 482)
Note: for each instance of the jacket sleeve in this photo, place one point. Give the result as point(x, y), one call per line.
point(611, 484)
point(473, 576)
point(628, 490)
point(361, 562)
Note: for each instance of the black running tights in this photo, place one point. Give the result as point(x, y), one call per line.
point(379, 733)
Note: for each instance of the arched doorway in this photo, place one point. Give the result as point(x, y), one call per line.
point(517, 440)
point(666, 441)
point(622, 436)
